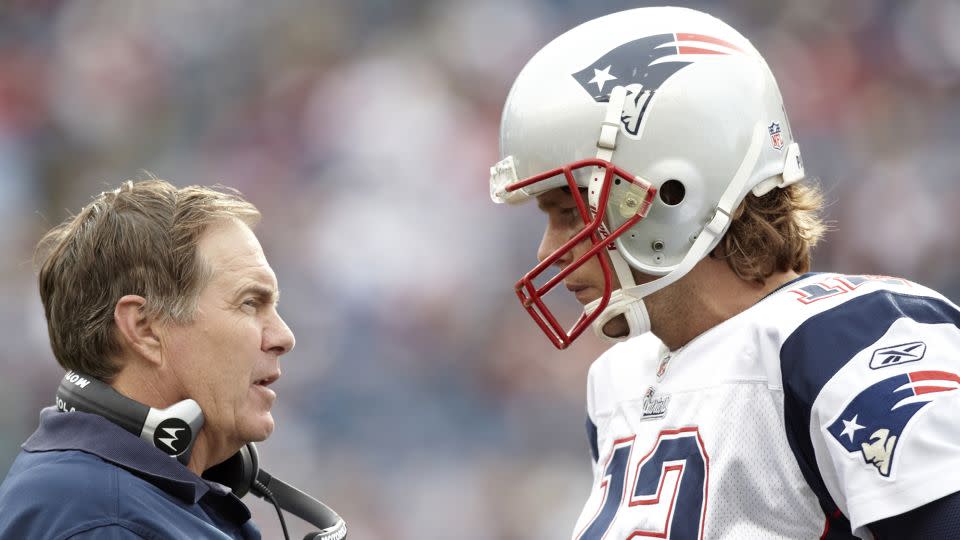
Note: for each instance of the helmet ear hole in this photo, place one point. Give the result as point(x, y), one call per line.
point(672, 192)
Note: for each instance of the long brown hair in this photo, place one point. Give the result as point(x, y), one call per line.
point(773, 233)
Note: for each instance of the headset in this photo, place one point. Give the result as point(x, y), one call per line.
point(173, 431)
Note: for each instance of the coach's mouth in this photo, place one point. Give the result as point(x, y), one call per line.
point(268, 380)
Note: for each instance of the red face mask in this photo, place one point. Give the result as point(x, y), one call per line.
point(530, 295)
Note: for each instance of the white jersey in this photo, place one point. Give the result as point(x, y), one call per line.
point(828, 406)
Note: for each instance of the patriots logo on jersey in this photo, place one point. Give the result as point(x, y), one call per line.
point(873, 422)
point(642, 66)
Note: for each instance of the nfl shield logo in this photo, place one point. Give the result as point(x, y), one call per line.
point(775, 137)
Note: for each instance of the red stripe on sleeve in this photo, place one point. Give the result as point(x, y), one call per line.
point(917, 376)
point(931, 389)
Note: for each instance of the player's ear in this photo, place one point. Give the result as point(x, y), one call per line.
point(136, 331)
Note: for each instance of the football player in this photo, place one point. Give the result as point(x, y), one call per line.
point(772, 402)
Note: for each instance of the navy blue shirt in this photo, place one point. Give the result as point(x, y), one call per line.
point(80, 476)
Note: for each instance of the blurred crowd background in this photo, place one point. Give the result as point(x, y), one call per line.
point(421, 402)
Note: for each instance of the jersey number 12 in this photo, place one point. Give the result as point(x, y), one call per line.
point(677, 456)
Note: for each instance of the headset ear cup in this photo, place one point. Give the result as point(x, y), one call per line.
point(238, 472)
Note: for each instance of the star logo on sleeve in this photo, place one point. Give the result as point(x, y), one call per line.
point(850, 427)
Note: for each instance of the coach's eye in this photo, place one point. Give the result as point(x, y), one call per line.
point(251, 303)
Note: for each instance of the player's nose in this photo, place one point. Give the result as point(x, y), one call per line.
point(553, 239)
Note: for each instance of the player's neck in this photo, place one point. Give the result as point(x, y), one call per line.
point(708, 296)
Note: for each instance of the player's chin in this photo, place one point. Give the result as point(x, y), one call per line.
point(617, 327)
point(587, 295)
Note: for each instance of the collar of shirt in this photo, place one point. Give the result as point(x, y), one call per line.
point(96, 435)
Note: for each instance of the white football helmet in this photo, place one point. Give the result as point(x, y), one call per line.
point(669, 117)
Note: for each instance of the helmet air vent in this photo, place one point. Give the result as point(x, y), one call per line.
point(672, 192)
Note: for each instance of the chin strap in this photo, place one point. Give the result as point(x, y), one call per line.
point(633, 310)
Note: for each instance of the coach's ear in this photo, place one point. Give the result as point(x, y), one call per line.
point(135, 330)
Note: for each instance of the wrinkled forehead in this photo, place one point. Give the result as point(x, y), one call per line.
point(232, 251)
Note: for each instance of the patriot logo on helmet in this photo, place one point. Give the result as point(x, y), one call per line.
point(873, 422)
point(642, 66)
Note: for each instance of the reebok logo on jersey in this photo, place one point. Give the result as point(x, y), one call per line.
point(898, 354)
point(871, 424)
